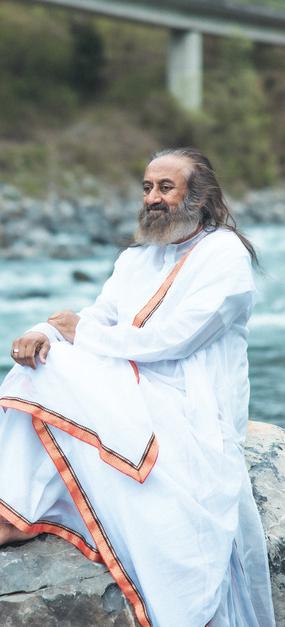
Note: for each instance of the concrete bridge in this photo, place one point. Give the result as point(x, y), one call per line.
point(187, 21)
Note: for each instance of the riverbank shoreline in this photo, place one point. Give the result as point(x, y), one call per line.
point(72, 226)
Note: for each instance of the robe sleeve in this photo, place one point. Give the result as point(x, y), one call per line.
point(44, 327)
point(222, 291)
point(104, 310)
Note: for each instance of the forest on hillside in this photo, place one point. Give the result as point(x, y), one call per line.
point(82, 94)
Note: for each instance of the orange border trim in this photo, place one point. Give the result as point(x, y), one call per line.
point(135, 369)
point(138, 472)
point(146, 312)
point(152, 305)
point(92, 522)
point(70, 535)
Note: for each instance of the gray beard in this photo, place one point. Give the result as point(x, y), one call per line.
point(168, 226)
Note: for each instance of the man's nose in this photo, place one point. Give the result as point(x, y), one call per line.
point(154, 196)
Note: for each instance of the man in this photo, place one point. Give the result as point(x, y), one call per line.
point(128, 418)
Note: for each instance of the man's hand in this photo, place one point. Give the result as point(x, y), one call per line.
point(25, 349)
point(65, 322)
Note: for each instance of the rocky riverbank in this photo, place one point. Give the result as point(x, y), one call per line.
point(71, 226)
point(67, 227)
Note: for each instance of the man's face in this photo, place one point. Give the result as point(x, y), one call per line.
point(165, 216)
point(165, 181)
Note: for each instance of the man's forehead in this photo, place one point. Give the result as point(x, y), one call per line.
point(168, 167)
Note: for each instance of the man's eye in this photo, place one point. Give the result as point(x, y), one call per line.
point(146, 189)
point(165, 188)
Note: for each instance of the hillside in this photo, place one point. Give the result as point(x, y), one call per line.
point(82, 95)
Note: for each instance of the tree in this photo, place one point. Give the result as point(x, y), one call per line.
point(88, 60)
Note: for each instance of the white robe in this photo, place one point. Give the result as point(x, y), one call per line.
point(129, 441)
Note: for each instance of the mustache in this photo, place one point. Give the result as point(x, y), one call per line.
point(157, 206)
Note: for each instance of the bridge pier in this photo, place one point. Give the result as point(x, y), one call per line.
point(185, 68)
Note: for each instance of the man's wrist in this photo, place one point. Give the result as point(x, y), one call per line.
point(48, 330)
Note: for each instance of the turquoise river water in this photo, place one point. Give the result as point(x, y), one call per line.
point(32, 289)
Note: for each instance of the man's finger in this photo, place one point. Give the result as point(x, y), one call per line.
point(44, 351)
point(58, 314)
point(18, 351)
point(14, 350)
point(30, 354)
point(55, 322)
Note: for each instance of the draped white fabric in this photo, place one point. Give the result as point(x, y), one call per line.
point(188, 533)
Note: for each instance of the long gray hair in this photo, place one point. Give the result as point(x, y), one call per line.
point(205, 194)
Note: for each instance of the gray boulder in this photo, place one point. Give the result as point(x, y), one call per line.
point(48, 582)
point(265, 455)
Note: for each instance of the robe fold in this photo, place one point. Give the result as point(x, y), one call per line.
point(128, 442)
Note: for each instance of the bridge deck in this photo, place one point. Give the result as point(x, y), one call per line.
point(256, 23)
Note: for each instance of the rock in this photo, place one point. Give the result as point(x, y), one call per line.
point(39, 238)
point(48, 582)
point(126, 229)
point(265, 454)
point(34, 293)
point(81, 277)
point(19, 250)
point(66, 210)
point(10, 192)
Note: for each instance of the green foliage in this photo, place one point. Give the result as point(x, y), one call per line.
point(34, 51)
point(234, 128)
point(270, 65)
point(135, 62)
point(48, 61)
point(87, 63)
point(240, 134)
point(82, 94)
point(169, 122)
point(27, 165)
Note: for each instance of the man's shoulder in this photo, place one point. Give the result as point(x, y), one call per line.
point(225, 240)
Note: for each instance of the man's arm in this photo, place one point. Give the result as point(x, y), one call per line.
point(104, 310)
point(224, 293)
point(37, 340)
